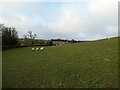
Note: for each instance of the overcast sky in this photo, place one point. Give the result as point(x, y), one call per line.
point(80, 20)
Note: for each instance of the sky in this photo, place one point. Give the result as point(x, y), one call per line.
point(66, 19)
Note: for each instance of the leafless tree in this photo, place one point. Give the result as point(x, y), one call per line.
point(30, 36)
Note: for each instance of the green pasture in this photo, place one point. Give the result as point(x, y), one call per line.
point(77, 65)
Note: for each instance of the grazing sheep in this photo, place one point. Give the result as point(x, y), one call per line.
point(41, 48)
point(33, 49)
point(60, 44)
point(37, 49)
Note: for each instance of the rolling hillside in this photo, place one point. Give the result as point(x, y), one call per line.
point(82, 65)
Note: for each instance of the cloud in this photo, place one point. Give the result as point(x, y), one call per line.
point(104, 18)
point(84, 21)
point(44, 0)
point(68, 21)
point(19, 22)
point(100, 21)
point(103, 7)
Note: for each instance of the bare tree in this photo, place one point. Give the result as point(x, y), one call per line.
point(30, 36)
point(25, 36)
point(34, 36)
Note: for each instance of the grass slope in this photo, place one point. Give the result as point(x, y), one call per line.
point(0, 69)
point(82, 65)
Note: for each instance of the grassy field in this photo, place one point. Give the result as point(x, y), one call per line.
point(0, 69)
point(81, 65)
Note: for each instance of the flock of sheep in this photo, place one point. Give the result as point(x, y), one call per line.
point(36, 49)
point(42, 48)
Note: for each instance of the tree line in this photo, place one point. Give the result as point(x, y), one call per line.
point(66, 40)
point(9, 38)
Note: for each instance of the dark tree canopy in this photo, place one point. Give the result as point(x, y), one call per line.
point(9, 36)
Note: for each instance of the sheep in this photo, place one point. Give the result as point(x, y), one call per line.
point(33, 49)
point(56, 44)
point(37, 49)
point(60, 44)
point(41, 48)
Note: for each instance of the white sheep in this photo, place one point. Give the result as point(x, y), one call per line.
point(33, 49)
point(37, 49)
point(60, 44)
point(41, 48)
